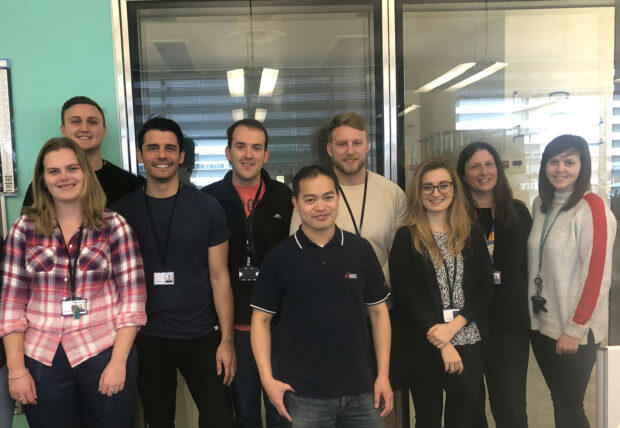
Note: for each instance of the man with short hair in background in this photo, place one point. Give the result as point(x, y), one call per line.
point(83, 121)
point(258, 210)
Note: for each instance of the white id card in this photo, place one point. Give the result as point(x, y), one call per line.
point(163, 278)
point(450, 314)
point(497, 277)
point(69, 306)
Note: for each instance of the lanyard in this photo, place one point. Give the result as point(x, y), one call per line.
point(545, 234)
point(358, 232)
point(451, 283)
point(163, 250)
point(72, 267)
point(249, 250)
point(491, 240)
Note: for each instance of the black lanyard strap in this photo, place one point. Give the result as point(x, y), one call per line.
point(72, 267)
point(163, 249)
point(249, 222)
point(451, 283)
point(358, 232)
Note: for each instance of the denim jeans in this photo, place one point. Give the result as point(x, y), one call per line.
point(247, 389)
point(69, 397)
point(7, 404)
point(344, 412)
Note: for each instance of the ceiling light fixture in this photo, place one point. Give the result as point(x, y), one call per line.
point(260, 114)
point(236, 82)
point(446, 77)
point(268, 79)
point(478, 76)
point(237, 114)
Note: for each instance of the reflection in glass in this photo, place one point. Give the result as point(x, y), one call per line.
point(291, 65)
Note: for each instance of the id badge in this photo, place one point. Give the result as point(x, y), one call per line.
point(497, 277)
point(74, 307)
point(450, 314)
point(248, 273)
point(163, 278)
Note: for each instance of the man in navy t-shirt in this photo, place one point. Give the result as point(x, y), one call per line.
point(184, 242)
point(322, 282)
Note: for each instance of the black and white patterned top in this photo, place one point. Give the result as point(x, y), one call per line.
point(469, 334)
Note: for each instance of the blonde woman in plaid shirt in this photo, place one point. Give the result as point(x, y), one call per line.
point(73, 299)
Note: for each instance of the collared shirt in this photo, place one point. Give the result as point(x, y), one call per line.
point(322, 295)
point(35, 278)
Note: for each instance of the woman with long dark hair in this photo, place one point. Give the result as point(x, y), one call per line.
point(506, 223)
point(441, 283)
point(569, 259)
point(73, 298)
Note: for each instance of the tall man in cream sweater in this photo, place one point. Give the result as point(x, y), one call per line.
point(371, 206)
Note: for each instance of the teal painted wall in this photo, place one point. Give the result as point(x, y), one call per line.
point(57, 49)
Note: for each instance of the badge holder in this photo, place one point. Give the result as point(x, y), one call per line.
point(163, 278)
point(248, 272)
point(74, 307)
point(450, 314)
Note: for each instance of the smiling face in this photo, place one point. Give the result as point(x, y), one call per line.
point(563, 171)
point(83, 123)
point(160, 155)
point(317, 203)
point(440, 198)
point(348, 148)
point(481, 173)
point(247, 155)
point(63, 176)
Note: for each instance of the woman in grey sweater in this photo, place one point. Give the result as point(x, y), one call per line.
point(569, 264)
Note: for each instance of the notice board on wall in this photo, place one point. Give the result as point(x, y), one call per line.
point(8, 184)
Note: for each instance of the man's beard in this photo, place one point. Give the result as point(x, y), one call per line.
point(340, 167)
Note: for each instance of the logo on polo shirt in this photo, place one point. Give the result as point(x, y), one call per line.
point(349, 275)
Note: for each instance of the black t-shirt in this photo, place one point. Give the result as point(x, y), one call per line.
point(321, 294)
point(184, 310)
point(115, 182)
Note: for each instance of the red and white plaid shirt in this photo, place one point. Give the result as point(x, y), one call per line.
point(35, 279)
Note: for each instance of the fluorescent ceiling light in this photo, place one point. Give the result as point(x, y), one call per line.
point(444, 78)
point(235, 82)
point(260, 114)
point(268, 80)
point(409, 109)
point(237, 114)
point(478, 76)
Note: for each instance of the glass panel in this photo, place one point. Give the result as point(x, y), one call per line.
point(515, 75)
point(289, 64)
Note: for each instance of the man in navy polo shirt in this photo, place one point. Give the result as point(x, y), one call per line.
point(322, 281)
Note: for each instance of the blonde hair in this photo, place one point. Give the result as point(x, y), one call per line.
point(92, 198)
point(458, 218)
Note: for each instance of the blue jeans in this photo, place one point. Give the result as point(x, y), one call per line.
point(344, 412)
point(69, 397)
point(7, 404)
point(247, 389)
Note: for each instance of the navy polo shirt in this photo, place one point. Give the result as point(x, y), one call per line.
point(321, 294)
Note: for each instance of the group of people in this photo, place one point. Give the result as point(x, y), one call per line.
point(321, 300)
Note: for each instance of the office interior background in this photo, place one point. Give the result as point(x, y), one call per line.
point(429, 76)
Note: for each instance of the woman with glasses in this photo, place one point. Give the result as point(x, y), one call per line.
point(73, 298)
point(506, 223)
point(441, 283)
point(569, 259)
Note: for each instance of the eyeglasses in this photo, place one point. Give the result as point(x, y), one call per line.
point(443, 187)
